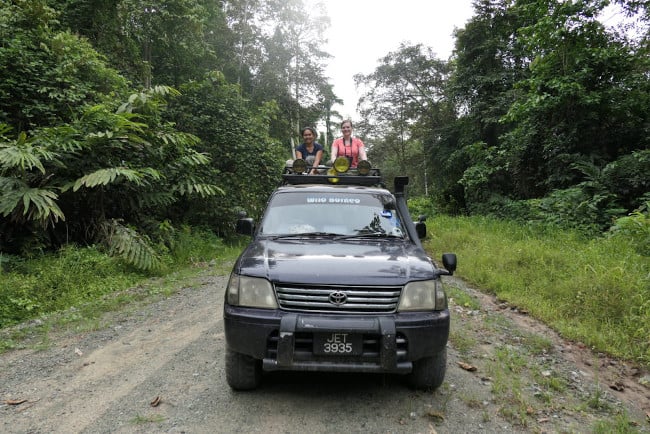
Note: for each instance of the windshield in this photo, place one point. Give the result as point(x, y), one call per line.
point(337, 213)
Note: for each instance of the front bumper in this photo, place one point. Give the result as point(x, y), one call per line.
point(284, 341)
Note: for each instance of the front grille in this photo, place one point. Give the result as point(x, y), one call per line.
point(359, 299)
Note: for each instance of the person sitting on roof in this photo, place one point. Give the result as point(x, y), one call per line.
point(310, 150)
point(347, 146)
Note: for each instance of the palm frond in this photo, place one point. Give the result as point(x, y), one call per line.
point(157, 199)
point(27, 203)
point(110, 175)
point(193, 158)
point(190, 186)
point(23, 155)
point(4, 128)
point(129, 245)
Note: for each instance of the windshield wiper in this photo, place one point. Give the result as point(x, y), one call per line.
point(305, 235)
point(368, 235)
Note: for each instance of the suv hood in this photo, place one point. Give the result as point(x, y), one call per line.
point(328, 262)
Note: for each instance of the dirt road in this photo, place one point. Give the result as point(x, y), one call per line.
point(159, 367)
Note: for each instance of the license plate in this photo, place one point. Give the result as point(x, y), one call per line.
point(338, 344)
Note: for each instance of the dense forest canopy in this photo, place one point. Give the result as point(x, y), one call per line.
point(121, 119)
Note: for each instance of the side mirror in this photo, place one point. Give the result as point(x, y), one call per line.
point(421, 230)
point(421, 226)
point(449, 262)
point(245, 226)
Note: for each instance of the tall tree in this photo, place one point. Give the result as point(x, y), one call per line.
point(245, 160)
point(295, 62)
point(587, 98)
point(153, 42)
point(48, 76)
point(488, 61)
point(402, 107)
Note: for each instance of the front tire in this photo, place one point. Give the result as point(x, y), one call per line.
point(428, 373)
point(242, 372)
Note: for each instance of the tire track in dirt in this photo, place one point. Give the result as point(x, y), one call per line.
point(79, 391)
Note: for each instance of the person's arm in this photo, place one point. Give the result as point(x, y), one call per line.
point(335, 151)
point(317, 159)
point(362, 151)
point(298, 154)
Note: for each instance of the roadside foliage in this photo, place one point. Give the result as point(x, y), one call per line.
point(123, 122)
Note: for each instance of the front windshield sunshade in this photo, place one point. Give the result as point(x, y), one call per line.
point(331, 215)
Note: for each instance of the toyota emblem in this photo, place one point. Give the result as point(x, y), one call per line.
point(338, 298)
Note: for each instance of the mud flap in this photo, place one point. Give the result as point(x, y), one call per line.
point(287, 340)
point(388, 352)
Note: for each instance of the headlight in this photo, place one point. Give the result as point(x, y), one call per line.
point(250, 292)
point(423, 295)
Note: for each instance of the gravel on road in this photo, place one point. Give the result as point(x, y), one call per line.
point(158, 367)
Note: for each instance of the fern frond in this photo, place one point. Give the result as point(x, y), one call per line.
point(33, 204)
point(108, 176)
point(588, 169)
point(23, 155)
point(129, 245)
point(62, 138)
point(4, 129)
point(190, 186)
point(151, 173)
point(10, 183)
point(193, 158)
point(157, 199)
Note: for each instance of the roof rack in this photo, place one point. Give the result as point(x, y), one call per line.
point(339, 179)
point(340, 173)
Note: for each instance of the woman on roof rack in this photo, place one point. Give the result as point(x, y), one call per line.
point(310, 150)
point(347, 146)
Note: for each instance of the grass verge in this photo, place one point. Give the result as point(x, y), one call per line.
point(75, 286)
point(596, 291)
point(528, 384)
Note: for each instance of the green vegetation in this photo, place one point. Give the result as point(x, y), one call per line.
point(462, 298)
point(86, 282)
point(113, 134)
point(596, 291)
point(526, 381)
point(139, 419)
point(118, 141)
point(541, 114)
point(620, 424)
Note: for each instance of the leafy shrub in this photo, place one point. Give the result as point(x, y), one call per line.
point(55, 282)
point(74, 275)
point(571, 208)
point(421, 205)
point(635, 229)
point(628, 178)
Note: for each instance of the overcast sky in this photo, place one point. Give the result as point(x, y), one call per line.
point(363, 31)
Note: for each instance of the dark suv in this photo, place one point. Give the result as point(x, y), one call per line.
point(336, 279)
